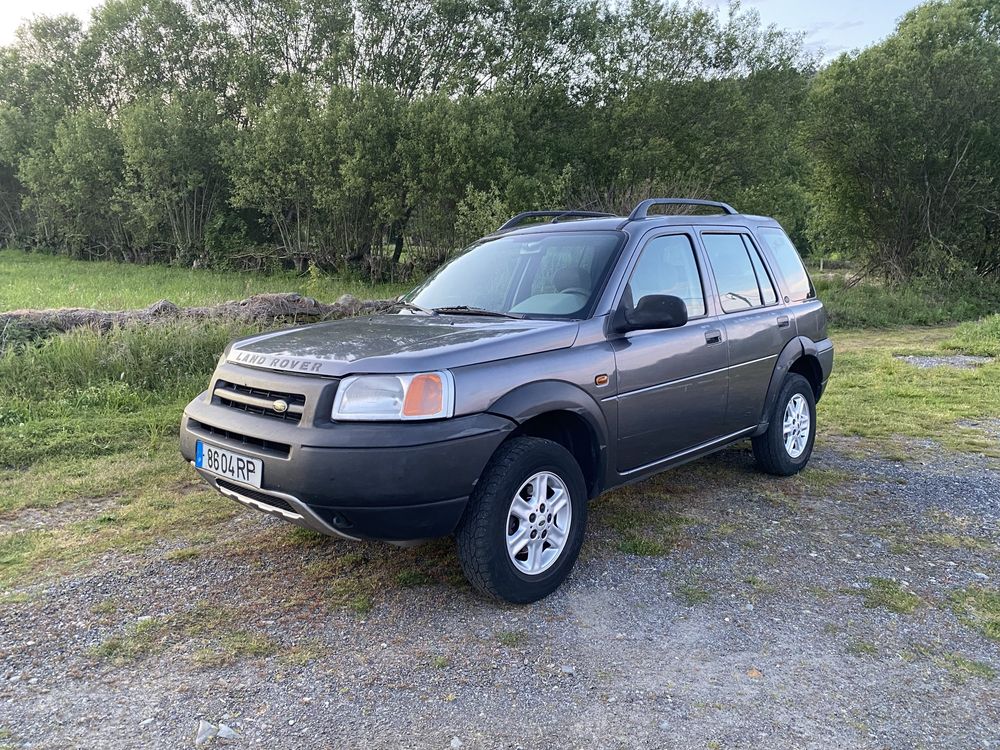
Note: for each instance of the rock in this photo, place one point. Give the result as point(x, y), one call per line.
point(227, 733)
point(206, 731)
point(146, 722)
point(568, 669)
point(455, 743)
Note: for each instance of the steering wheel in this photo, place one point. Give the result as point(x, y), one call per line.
point(575, 290)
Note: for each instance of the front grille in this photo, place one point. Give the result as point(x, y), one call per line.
point(281, 449)
point(260, 401)
point(260, 497)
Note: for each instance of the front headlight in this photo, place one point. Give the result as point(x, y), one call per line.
point(426, 395)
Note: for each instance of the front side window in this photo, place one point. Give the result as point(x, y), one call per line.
point(739, 273)
point(544, 274)
point(667, 266)
point(789, 263)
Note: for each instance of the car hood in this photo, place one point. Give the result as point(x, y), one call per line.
point(400, 343)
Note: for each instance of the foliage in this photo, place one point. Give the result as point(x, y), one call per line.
point(922, 301)
point(906, 138)
point(364, 136)
point(374, 138)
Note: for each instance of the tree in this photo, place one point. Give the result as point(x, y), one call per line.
point(272, 167)
point(906, 139)
point(74, 186)
point(174, 178)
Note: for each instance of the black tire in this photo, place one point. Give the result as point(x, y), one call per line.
point(482, 534)
point(769, 448)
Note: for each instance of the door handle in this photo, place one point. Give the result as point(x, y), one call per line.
point(713, 337)
point(783, 321)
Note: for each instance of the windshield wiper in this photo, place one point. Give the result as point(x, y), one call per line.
point(466, 310)
point(417, 308)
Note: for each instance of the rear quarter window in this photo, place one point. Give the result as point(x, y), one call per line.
point(797, 283)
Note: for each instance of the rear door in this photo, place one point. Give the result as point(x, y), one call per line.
point(755, 320)
point(671, 383)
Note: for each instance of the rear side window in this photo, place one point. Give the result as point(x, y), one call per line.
point(789, 263)
point(667, 266)
point(767, 292)
point(739, 273)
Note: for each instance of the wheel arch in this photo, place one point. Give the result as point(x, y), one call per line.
point(800, 356)
point(565, 414)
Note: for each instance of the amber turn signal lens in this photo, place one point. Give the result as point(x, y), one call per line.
point(424, 397)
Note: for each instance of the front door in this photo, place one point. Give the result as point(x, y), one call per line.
point(672, 384)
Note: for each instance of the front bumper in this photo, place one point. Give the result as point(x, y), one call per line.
point(391, 481)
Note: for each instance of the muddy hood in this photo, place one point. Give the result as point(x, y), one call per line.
point(400, 343)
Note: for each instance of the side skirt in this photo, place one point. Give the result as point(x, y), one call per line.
point(678, 459)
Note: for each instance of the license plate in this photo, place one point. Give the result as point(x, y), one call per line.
point(228, 464)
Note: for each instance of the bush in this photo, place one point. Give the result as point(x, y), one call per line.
point(921, 302)
point(162, 360)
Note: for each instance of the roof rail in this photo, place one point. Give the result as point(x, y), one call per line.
point(554, 215)
point(642, 210)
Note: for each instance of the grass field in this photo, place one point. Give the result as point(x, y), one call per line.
point(34, 280)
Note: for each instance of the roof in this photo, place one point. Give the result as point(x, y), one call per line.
point(618, 223)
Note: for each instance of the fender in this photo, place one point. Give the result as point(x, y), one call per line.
point(795, 349)
point(534, 399)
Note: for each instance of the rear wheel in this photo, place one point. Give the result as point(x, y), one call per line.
point(787, 445)
point(522, 531)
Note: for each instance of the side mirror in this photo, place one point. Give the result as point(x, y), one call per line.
point(654, 311)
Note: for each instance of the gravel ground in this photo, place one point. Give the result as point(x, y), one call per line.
point(961, 361)
point(750, 631)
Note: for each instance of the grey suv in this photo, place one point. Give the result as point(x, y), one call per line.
point(563, 355)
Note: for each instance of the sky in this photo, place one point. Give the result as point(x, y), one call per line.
point(834, 26)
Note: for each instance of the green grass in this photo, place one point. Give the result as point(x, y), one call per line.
point(981, 338)
point(978, 608)
point(862, 648)
point(643, 527)
point(884, 593)
point(962, 669)
point(512, 638)
point(36, 280)
point(692, 594)
point(208, 627)
point(874, 394)
point(81, 395)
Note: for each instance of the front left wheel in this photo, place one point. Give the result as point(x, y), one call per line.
point(524, 526)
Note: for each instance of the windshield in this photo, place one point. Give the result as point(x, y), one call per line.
point(550, 274)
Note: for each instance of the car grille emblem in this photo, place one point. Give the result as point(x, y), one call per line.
point(280, 406)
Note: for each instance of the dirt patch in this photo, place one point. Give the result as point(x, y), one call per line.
point(22, 325)
point(63, 514)
point(960, 361)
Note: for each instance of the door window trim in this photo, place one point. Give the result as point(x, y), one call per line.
point(687, 232)
point(744, 234)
